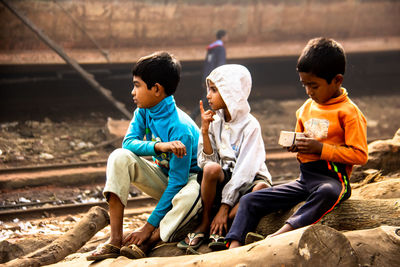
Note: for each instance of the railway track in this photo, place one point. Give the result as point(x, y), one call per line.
point(140, 203)
point(273, 153)
point(45, 167)
point(27, 211)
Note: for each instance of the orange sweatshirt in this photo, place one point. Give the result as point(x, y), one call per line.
point(340, 126)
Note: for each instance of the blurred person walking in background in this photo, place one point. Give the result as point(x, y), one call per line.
point(215, 57)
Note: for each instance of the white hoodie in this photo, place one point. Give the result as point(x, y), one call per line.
point(236, 144)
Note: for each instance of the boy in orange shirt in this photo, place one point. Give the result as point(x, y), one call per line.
point(336, 139)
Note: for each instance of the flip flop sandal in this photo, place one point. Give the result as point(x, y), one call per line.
point(217, 242)
point(192, 237)
point(104, 251)
point(132, 252)
point(253, 237)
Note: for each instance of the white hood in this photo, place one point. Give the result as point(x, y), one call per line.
point(234, 84)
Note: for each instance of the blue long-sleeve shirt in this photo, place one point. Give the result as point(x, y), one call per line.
point(164, 123)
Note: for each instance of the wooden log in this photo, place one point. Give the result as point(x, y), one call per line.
point(18, 247)
point(96, 219)
point(316, 245)
point(385, 189)
point(376, 247)
point(352, 214)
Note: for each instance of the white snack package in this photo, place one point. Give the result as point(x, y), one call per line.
point(287, 138)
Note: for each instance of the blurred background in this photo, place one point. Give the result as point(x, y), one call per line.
point(107, 37)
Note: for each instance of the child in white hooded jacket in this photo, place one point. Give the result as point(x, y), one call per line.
point(231, 153)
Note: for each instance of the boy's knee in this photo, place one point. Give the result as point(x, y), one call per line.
point(212, 171)
point(329, 191)
point(246, 201)
point(121, 156)
point(259, 186)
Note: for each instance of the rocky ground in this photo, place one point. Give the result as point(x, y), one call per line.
point(47, 142)
point(40, 143)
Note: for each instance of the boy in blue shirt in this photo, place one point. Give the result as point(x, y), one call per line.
point(159, 129)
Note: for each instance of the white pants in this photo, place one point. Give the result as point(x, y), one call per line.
point(124, 168)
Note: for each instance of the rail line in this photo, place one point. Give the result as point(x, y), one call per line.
point(139, 202)
point(271, 152)
point(45, 167)
point(98, 163)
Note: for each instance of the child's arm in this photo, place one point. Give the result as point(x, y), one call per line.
point(355, 149)
point(206, 119)
point(133, 140)
point(175, 147)
point(219, 224)
point(206, 152)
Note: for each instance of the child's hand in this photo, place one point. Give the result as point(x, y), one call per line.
point(220, 223)
point(138, 236)
point(308, 146)
point(176, 147)
point(292, 148)
point(206, 118)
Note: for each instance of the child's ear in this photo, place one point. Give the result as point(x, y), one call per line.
point(159, 89)
point(338, 79)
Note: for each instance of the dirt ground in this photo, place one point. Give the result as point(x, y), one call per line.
point(45, 142)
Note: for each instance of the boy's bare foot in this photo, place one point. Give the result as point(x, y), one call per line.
point(104, 251)
point(285, 228)
point(234, 244)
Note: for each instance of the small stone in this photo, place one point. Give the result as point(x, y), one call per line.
point(24, 200)
point(46, 156)
point(69, 218)
point(81, 145)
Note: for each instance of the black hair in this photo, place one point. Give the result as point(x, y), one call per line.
point(220, 34)
point(159, 67)
point(322, 57)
